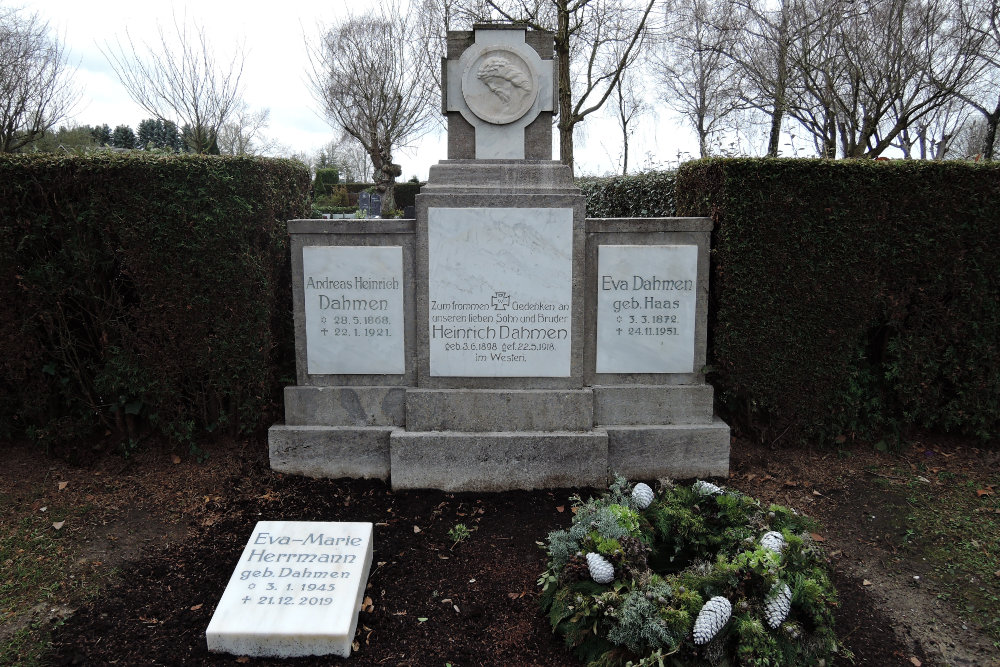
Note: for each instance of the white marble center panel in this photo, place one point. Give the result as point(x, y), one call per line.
point(500, 289)
point(646, 305)
point(354, 309)
point(296, 590)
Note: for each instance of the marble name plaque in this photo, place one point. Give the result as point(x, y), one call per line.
point(353, 309)
point(500, 288)
point(296, 591)
point(646, 304)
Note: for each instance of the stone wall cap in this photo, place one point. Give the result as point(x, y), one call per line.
point(664, 224)
point(353, 226)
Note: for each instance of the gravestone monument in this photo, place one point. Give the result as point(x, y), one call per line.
point(500, 339)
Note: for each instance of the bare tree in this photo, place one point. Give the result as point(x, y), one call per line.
point(367, 73)
point(180, 80)
point(629, 105)
point(243, 134)
point(700, 81)
point(36, 91)
point(348, 156)
point(982, 20)
point(922, 60)
point(764, 51)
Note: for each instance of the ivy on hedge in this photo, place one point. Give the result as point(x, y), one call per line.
point(143, 291)
point(853, 297)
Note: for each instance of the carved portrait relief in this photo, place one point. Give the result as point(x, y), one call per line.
point(499, 86)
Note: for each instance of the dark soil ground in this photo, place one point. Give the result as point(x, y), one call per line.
point(170, 531)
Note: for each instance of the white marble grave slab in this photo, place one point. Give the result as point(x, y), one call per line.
point(354, 309)
point(500, 289)
point(296, 591)
point(646, 305)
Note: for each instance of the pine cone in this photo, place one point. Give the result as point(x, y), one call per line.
point(712, 618)
point(642, 495)
point(774, 541)
point(706, 488)
point(601, 571)
point(777, 604)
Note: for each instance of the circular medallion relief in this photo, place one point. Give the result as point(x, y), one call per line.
point(499, 86)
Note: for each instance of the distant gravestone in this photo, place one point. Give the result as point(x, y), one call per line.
point(409, 212)
point(375, 206)
point(364, 201)
point(296, 591)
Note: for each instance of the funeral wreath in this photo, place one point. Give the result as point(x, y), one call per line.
point(688, 575)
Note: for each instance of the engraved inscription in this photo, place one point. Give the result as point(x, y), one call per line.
point(646, 305)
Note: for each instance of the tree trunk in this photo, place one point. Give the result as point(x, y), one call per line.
point(772, 142)
point(566, 120)
point(991, 133)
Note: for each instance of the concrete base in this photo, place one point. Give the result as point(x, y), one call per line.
point(499, 410)
point(344, 406)
point(330, 451)
point(678, 451)
point(633, 405)
point(467, 461)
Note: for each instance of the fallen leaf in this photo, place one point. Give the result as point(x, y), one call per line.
point(416, 529)
point(561, 508)
point(421, 619)
point(196, 607)
point(915, 661)
point(176, 459)
point(866, 583)
point(984, 492)
point(442, 557)
point(355, 646)
point(997, 573)
point(817, 493)
point(817, 537)
point(62, 485)
point(58, 524)
point(243, 659)
point(368, 605)
point(789, 483)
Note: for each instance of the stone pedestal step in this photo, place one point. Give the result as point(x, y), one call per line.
point(493, 461)
point(330, 452)
point(497, 461)
point(678, 451)
point(499, 410)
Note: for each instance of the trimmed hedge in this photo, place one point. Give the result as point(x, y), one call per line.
point(325, 181)
point(646, 195)
point(143, 291)
point(853, 297)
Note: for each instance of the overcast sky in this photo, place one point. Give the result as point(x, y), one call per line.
point(273, 34)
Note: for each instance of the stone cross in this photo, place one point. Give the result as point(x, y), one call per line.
point(500, 85)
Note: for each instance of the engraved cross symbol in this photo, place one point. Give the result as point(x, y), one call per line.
point(324, 330)
point(501, 301)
